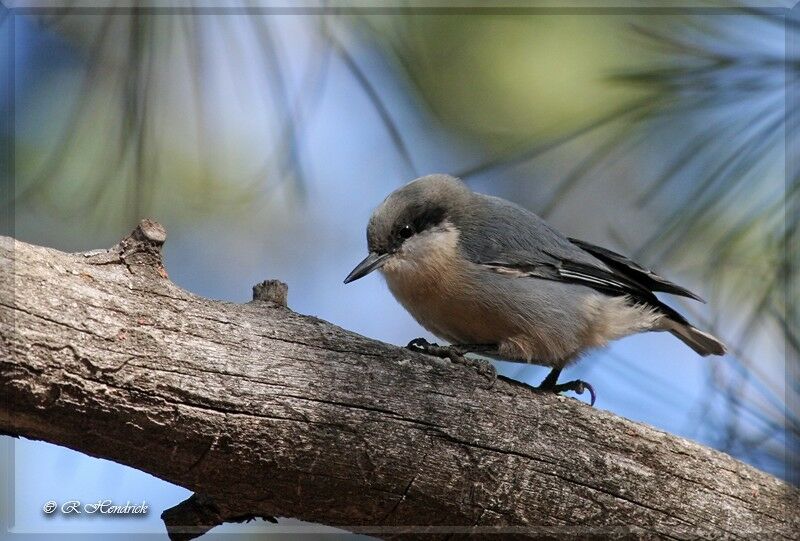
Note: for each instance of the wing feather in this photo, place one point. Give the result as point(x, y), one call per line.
point(641, 274)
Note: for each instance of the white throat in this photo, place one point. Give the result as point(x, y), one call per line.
point(424, 257)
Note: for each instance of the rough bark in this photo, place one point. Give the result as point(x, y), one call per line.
point(265, 412)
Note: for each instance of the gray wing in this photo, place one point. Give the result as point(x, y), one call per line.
point(509, 239)
point(643, 275)
point(498, 233)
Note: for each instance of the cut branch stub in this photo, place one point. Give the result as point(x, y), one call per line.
point(192, 518)
point(140, 251)
point(143, 246)
point(271, 291)
point(198, 514)
point(149, 231)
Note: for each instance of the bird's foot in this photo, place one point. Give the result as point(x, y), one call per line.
point(455, 353)
point(423, 346)
point(578, 386)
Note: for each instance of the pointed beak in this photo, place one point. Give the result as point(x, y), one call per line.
point(372, 262)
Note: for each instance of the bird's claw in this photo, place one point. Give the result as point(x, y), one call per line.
point(443, 352)
point(578, 386)
point(420, 344)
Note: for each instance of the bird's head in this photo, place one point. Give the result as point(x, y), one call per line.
point(415, 222)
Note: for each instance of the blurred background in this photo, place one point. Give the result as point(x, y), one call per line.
point(263, 138)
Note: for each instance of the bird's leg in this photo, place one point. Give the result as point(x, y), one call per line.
point(456, 353)
point(579, 386)
point(549, 382)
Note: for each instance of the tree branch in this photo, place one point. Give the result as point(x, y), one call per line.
point(265, 412)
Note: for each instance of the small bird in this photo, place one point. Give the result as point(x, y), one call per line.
point(493, 278)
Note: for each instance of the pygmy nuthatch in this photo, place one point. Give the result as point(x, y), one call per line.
point(490, 277)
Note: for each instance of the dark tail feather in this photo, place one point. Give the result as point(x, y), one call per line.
point(702, 342)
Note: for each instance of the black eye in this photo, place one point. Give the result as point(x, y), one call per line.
point(406, 231)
